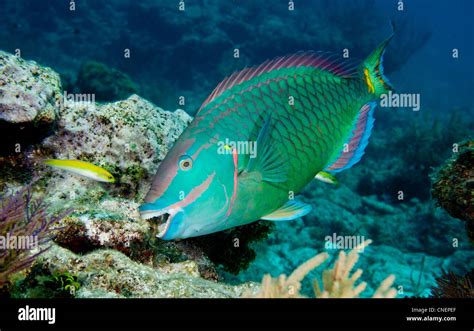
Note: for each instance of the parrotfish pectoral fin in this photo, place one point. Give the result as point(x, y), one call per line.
point(269, 161)
point(291, 210)
point(354, 148)
point(326, 177)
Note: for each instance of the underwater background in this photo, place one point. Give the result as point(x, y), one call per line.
point(174, 58)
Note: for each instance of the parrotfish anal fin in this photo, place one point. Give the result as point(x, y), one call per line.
point(323, 60)
point(291, 210)
point(269, 161)
point(357, 141)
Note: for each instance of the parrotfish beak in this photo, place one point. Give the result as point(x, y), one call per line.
point(168, 219)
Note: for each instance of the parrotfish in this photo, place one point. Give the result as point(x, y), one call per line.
point(82, 168)
point(309, 114)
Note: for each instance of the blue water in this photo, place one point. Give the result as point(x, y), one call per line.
point(174, 53)
point(191, 51)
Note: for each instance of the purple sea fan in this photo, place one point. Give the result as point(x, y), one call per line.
point(25, 225)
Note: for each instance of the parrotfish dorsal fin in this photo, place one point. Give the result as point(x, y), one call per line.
point(291, 210)
point(357, 141)
point(323, 60)
point(268, 161)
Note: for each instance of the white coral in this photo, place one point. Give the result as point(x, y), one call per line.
point(337, 282)
point(288, 287)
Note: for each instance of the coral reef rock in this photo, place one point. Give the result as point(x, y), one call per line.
point(105, 83)
point(108, 273)
point(450, 285)
point(28, 92)
point(129, 138)
point(29, 95)
point(453, 186)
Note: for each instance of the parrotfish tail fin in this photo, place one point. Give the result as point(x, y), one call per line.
point(372, 69)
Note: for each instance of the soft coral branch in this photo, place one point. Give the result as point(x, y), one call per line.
point(23, 216)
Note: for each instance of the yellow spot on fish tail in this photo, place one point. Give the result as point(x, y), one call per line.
point(370, 86)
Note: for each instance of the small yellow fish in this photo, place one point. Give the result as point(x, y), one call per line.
point(326, 177)
point(82, 168)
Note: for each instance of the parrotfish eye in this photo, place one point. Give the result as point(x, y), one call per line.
point(185, 162)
